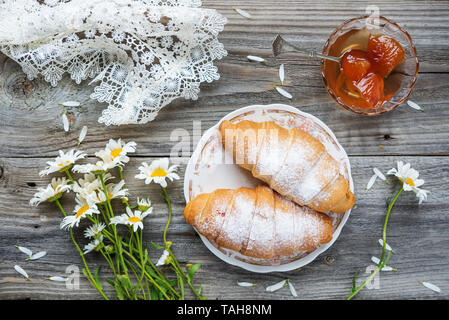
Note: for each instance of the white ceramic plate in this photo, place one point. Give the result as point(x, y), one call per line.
point(210, 169)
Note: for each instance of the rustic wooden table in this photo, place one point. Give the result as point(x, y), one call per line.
point(31, 133)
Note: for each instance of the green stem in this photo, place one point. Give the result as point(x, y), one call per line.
point(90, 278)
point(167, 200)
point(120, 172)
point(384, 232)
point(67, 172)
point(173, 258)
point(384, 237)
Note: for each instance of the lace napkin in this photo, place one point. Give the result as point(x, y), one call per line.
point(141, 54)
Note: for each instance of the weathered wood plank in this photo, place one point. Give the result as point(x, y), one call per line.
point(30, 121)
point(419, 234)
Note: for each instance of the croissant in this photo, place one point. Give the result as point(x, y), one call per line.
point(290, 161)
point(257, 222)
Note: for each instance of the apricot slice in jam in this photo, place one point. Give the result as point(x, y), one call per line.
point(385, 54)
point(371, 88)
point(355, 64)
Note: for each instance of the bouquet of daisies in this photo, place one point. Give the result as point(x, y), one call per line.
point(118, 238)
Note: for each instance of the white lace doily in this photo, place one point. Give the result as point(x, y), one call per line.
point(141, 54)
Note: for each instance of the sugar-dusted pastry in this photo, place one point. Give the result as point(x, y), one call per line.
point(290, 161)
point(257, 222)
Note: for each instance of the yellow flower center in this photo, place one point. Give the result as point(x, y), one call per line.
point(62, 164)
point(410, 182)
point(116, 152)
point(109, 195)
point(133, 219)
point(159, 173)
point(81, 210)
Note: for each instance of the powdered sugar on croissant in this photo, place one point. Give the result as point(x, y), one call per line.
point(290, 161)
point(257, 222)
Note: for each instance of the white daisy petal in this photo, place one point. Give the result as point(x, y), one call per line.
point(27, 251)
point(37, 255)
point(70, 104)
point(65, 122)
point(387, 247)
point(414, 105)
point(21, 271)
point(284, 93)
point(58, 279)
point(292, 289)
point(379, 174)
point(281, 74)
point(83, 134)
point(371, 182)
point(246, 284)
point(430, 286)
point(277, 286)
point(375, 260)
point(163, 260)
point(256, 58)
point(243, 13)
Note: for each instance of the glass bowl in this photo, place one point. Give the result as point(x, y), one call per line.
point(404, 75)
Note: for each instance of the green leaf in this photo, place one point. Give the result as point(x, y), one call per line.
point(354, 281)
point(150, 270)
point(124, 282)
point(192, 271)
point(97, 271)
point(155, 294)
point(120, 293)
point(156, 246)
point(112, 283)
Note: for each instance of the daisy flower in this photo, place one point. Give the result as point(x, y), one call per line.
point(82, 209)
point(94, 230)
point(116, 152)
point(157, 171)
point(130, 218)
point(52, 192)
point(144, 204)
point(97, 168)
point(63, 162)
point(164, 259)
point(409, 178)
point(114, 191)
point(93, 245)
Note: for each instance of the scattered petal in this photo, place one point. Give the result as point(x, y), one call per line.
point(371, 182)
point(414, 105)
point(58, 279)
point(256, 58)
point(281, 74)
point(65, 122)
point(70, 104)
point(283, 92)
point(379, 174)
point(277, 286)
point(21, 271)
point(243, 13)
point(385, 268)
point(27, 251)
point(246, 284)
point(431, 286)
point(37, 255)
point(375, 260)
point(82, 135)
point(381, 242)
point(292, 289)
